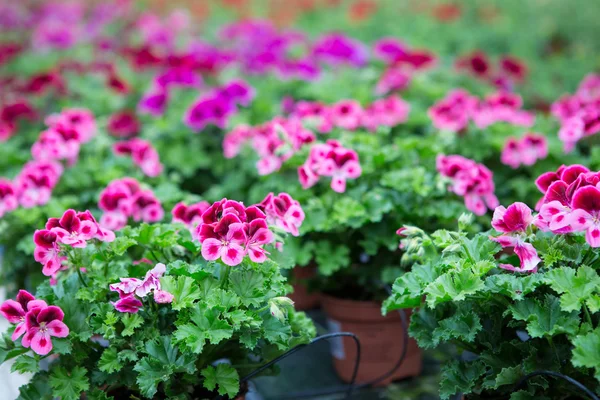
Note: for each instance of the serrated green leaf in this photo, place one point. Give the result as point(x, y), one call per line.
point(574, 286)
point(544, 318)
point(109, 361)
point(131, 322)
point(184, 290)
point(223, 377)
point(249, 286)
point(150, 373)
point(453, 286)
point(25, 364)
point(586, 351)
point(460, 377)
point(120, 245)
point(68, 385)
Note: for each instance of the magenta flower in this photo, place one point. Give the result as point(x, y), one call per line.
point(47, 251)
point(129, 304)
point(389, 49)
point(15, 311)
point(390, 111)
point(123, 124)
point(513, 223)
point(143, 154)
point(527, 151)
point(258, 235)
point(35, 182)
point(8, 197)
point(43, 323)
point(190, 215)
point(229, 245)
point(76, 119)
point(393, 79)
point(212, 109)
point(453, 112)
point(151, 280)
point(471, 180)
point(283, 212)
point(126, 287)
point(347, 114)
point(162, 297)
point(153, 103)
point(71, 230)
point(337, 49)
point(586, 213)
point(237, 91)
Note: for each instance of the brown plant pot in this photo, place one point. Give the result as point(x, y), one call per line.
point(302, 298)
point(381, 339)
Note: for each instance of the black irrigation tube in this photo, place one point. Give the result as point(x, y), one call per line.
point(572, 381)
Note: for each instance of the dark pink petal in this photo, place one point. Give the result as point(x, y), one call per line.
point(49, 314)
point(557, 191)
point(12, 311)
point(128, 304)
point(587, 198)
point(572, 172)
point(41, 343)
point(544, 181)
point(45, 238)
point(20, 330)
point(24, 297)
point(211, 249)
point(58, 329)
point(233, 254)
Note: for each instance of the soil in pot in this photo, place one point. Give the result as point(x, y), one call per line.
point(381, 339)
point(303, 298)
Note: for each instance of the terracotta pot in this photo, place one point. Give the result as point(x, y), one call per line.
point(302, 298)
point(381, 339)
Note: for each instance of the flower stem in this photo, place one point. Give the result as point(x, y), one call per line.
point(551, 342)
point(81, 277)
point(225, 271)
point(588, 317)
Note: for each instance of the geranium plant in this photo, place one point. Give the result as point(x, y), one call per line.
point(520, 298)
point(153, 310)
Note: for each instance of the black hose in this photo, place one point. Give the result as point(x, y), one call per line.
point(572, 381)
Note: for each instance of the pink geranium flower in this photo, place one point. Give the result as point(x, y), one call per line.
point(47, 251)
point(143, 154)
point(77, 119)
point(162, 297)
point(527, 151)
point(347, 114)
point(123, 124)
point(42, 324)
point(513, 223)
point(8, 197)
point(16, 311)
point(71, 230)
point(35, 182)
point(153, 103)
point(283, 212)
point(586, 213)
point(228, 245)
point(129, 304)
point(258, 235)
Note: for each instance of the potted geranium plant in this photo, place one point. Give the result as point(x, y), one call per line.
point(517, 300)
point(140, 314)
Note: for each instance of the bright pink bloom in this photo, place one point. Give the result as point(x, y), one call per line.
point(129, 304)
point(390, 112)
point(347, 114)
point(394, 78)
point(229, 246)
point(143, 154)
point(513, 223)
point(47, 251)
point(43, 323)
point(8, 197)
point(126, 287)
point(337, 49)
point(153, 103)
point(513, 68)
point(471, 180)
point(123, 125)
point(16, 311)
point(527, 151)
point(389, 49)
point(258, 235)
point(35, 182)
point(190, 215)
point(476, 63)
point(146, 207)
point(55, 145)
point(211, 109)
point(162, 297)
point(151, 280)
point(71, 230)
point(586, 214)
point(283, 212)
point(453, 112)
point(237, 91)
point(77, 119)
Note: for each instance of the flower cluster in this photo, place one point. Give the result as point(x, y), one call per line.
point(74, 229)
point(10, 114)
point(218, 105)
point(229, 230)
point(513, 222)
point(350, 115)
point(35, 320)
point(571, 202)
point(579, 114)
point(191, 215)
point(35, 182)
point(524, 151)
point(508, 71)
point(143, 154)
point(338, 49)
point(274, 142)
point(333, 160)
point(132, 289)
point(471, 180)
point(402, 64)
point(61, 141)
point(125, 198)
point(123, 124)
point(283, 212)
point(454, 112)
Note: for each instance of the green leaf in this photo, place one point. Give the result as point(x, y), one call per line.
point(460, 377)
point(127, 355)
point(575, 286)
point(131, 322)
point(330, 258)
point(453, 286)
point(276, 332)
point(463, 325)
point(120, 245)
point(586, 351)
point(162, 350)
point(25, 364)
point(206, 325)
point(514, 286)
point(183, 288)
point(150, 373)
point(249, 286)
point(224, 377)
point(109, 361)
point(545, 319)
point(68, 385)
